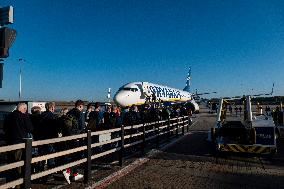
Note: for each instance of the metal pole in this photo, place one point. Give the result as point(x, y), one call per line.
point(219, 111)
point(1, 71)
point(249, 111)
point(20, 89)
point(20, 75)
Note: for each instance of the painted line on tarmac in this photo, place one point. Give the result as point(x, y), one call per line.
point(137, 163)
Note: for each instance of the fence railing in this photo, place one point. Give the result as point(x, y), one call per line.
point(121, 138)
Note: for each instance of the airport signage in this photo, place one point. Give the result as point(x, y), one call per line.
point(164, 92)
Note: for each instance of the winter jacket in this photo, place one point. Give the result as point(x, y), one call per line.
point(17, 126)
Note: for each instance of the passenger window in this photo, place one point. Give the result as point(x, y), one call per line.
point(130, 89)
point(127, 89)
point(134, 89)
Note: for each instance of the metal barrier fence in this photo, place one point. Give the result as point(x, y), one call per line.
point(128, 136)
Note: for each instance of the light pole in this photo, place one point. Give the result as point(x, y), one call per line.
point(109, 94)
point(1, 71)
point(20, 77)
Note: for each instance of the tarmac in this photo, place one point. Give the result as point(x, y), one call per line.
point(188, 162)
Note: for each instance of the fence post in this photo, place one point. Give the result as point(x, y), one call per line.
point(189, 122)
point(182, 129)
point(158, 135)
point(177, 128)
point(144, 140)
point(27, 163)
point(121, 154)
point(88, 165)
point(169, 129)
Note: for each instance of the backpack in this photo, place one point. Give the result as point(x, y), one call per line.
point(112, 119)
point(92, 125)
point(70, 124)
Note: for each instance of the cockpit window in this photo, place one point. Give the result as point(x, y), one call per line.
point(129, 89)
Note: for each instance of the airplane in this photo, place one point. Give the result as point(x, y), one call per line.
point(136, 93)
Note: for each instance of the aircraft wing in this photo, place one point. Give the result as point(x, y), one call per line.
point(199, 94)
point(252, 95)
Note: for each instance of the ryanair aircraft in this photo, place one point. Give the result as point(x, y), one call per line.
point(136, 93)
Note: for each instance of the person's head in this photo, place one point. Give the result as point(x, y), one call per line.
point(79, 104)
point(118, 110)
point(90, 107)
point(22, 107)
point(97, 106)
point(36, 110)
point(64, 111)
point(135, 108)
point(108, 109)
point(50, 106)
point(114, 109)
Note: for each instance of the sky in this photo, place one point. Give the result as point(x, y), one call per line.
point(78, 49)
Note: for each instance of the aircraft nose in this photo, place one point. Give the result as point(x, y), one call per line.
point(118, 98)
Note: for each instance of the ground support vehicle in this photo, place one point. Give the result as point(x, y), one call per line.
point(253, 134)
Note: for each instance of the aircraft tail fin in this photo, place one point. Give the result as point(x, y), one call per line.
point(272, 89)
point(188, 79)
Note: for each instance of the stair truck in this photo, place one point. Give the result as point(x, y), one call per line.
point(252, 134)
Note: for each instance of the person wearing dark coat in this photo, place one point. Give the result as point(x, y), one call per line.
point(94, 118)
point(17, 126)
point(36, 120)
point(49, 128)
point(77, 114)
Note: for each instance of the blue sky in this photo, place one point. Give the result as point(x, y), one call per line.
point(78, 49)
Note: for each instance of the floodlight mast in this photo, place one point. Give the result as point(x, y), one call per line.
point(7, 35)
point(20, 78)
point(109, 94)
point(6, 15)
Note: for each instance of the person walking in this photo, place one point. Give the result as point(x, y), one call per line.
point(231, 110)
point(240, 109)
point(236, 110)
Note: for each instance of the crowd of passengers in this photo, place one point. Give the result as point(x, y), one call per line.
point(46, 125)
